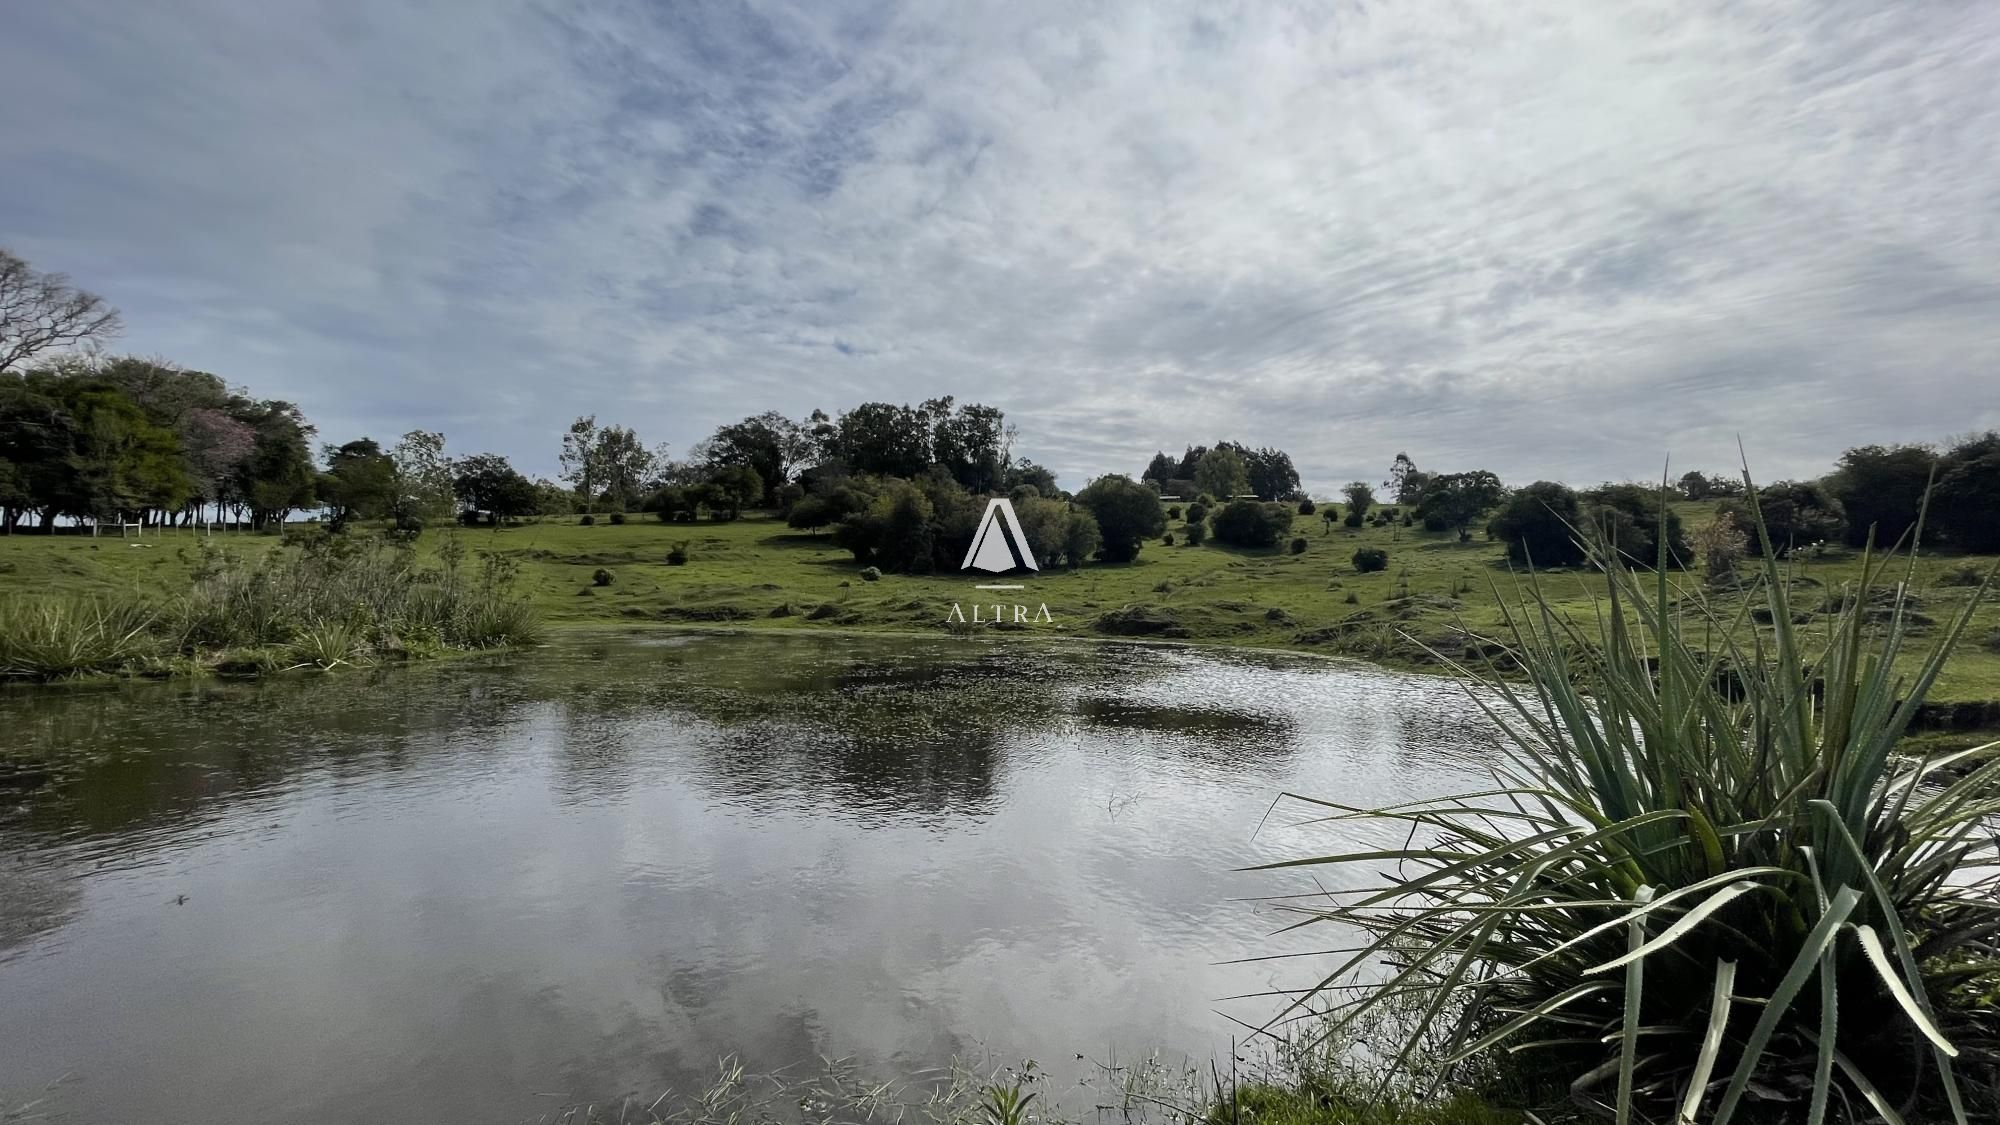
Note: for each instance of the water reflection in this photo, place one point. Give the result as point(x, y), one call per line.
point(588, 871)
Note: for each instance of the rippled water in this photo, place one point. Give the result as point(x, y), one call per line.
point(480, 890)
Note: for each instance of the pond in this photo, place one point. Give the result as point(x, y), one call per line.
point(482, 889)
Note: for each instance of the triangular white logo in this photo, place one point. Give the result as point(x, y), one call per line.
point(991, 551)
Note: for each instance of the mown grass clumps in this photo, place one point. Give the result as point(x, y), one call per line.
point(322, 601)
point(1707, 887)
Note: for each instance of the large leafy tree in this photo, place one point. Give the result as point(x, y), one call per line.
point(626, 467)
point(1628, 519)
point(278, 475)
point(972, 444)
point(423, 490)
point(883, 438)
point(359, 482)
point(769, 443)
point(1127, 513)
point(1161, 468)
point(1796, 513)
point(485, 482)
point(1222, 474)
point(1968, 494)
point(1541, 524)
point(1453, 501)
point(1406, 482)
point(1881, 487)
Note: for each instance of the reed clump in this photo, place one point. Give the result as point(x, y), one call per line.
point(1706, 887)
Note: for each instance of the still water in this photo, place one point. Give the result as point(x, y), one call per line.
point(481, 890)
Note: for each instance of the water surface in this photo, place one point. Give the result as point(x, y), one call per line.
point(480, 890)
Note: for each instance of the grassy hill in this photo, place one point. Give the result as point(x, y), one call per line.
point(757, 573)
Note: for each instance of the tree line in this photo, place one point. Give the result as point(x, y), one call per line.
point(128, 439)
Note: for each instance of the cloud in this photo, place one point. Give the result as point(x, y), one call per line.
point(1562, 240)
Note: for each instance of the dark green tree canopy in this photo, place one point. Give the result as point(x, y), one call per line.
point(1967, 501)
point(1541, 524)
point(1128, 515)
point(1881, 487)
point(1453, 501)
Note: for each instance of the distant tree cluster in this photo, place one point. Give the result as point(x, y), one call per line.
point(1227, 471)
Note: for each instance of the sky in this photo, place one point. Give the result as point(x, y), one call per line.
point(1556, 240)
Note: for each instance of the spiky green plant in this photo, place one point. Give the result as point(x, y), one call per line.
point(50, 637)
point(1705, 887)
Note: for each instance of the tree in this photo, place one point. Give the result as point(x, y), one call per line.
point(1540, 525)
point(1161, 468)
point(1252, 523)
point(1882, 489)
point(278, 475)
point(881, 437)
point(1452, 501)
point(810, 513)
point(216, 444)
point(1128, 514)
point(40, 311)
point(971, 444)
point(1795, 514)
point(732, 489)
point(1359, 498)
point(1222, 474)
point(1270, 471)
point(1627, 520)
point(359, 482)
point(624, 467)
point(1026, 472)
point(485, 482)
point(770, 443)
point(579, 459)
point(423, 481)
point(1406, 483)
point(1967, 501)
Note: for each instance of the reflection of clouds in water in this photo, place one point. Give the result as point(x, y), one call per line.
point(595, 869)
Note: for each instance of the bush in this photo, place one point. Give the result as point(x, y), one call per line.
point(602, 577)
point(1195, 533)
point(1127, 513)
point(1626, 518)
point(1174, 512)
point(1368, 560)
point(47, 638)
point(871, 574)
point(1250, 523)
point(1167, 540)
point(1354, 518)
point(618, 519)
point(1795, 514)
point(586, 519)
point(1299, 545)
point(1197, 512)
point(1692, 883)
point(1353, 598)
point(1306, 507)
point(1540, 525)
point(678, 556)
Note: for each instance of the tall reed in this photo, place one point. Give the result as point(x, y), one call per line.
point(1705, 887)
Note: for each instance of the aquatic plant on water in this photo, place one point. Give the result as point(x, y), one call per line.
point(43, 637)
point(1705, 887)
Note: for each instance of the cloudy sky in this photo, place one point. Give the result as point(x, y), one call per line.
point(1551, 239)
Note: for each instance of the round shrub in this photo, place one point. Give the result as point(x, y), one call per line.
point(1195, 533)
point(1368, 560)
point(1299, 545)
point(1167, 540)
point(679, 555)
point(1249, 523)
point(1174, 512)
point(603, 577)
point(1197, 512)
point(1306, 507)
point(618, 518)
point(871, 573)
point(586, 520)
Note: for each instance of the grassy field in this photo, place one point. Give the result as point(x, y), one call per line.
point(757, 573)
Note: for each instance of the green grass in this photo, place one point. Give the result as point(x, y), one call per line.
point(757, 573)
